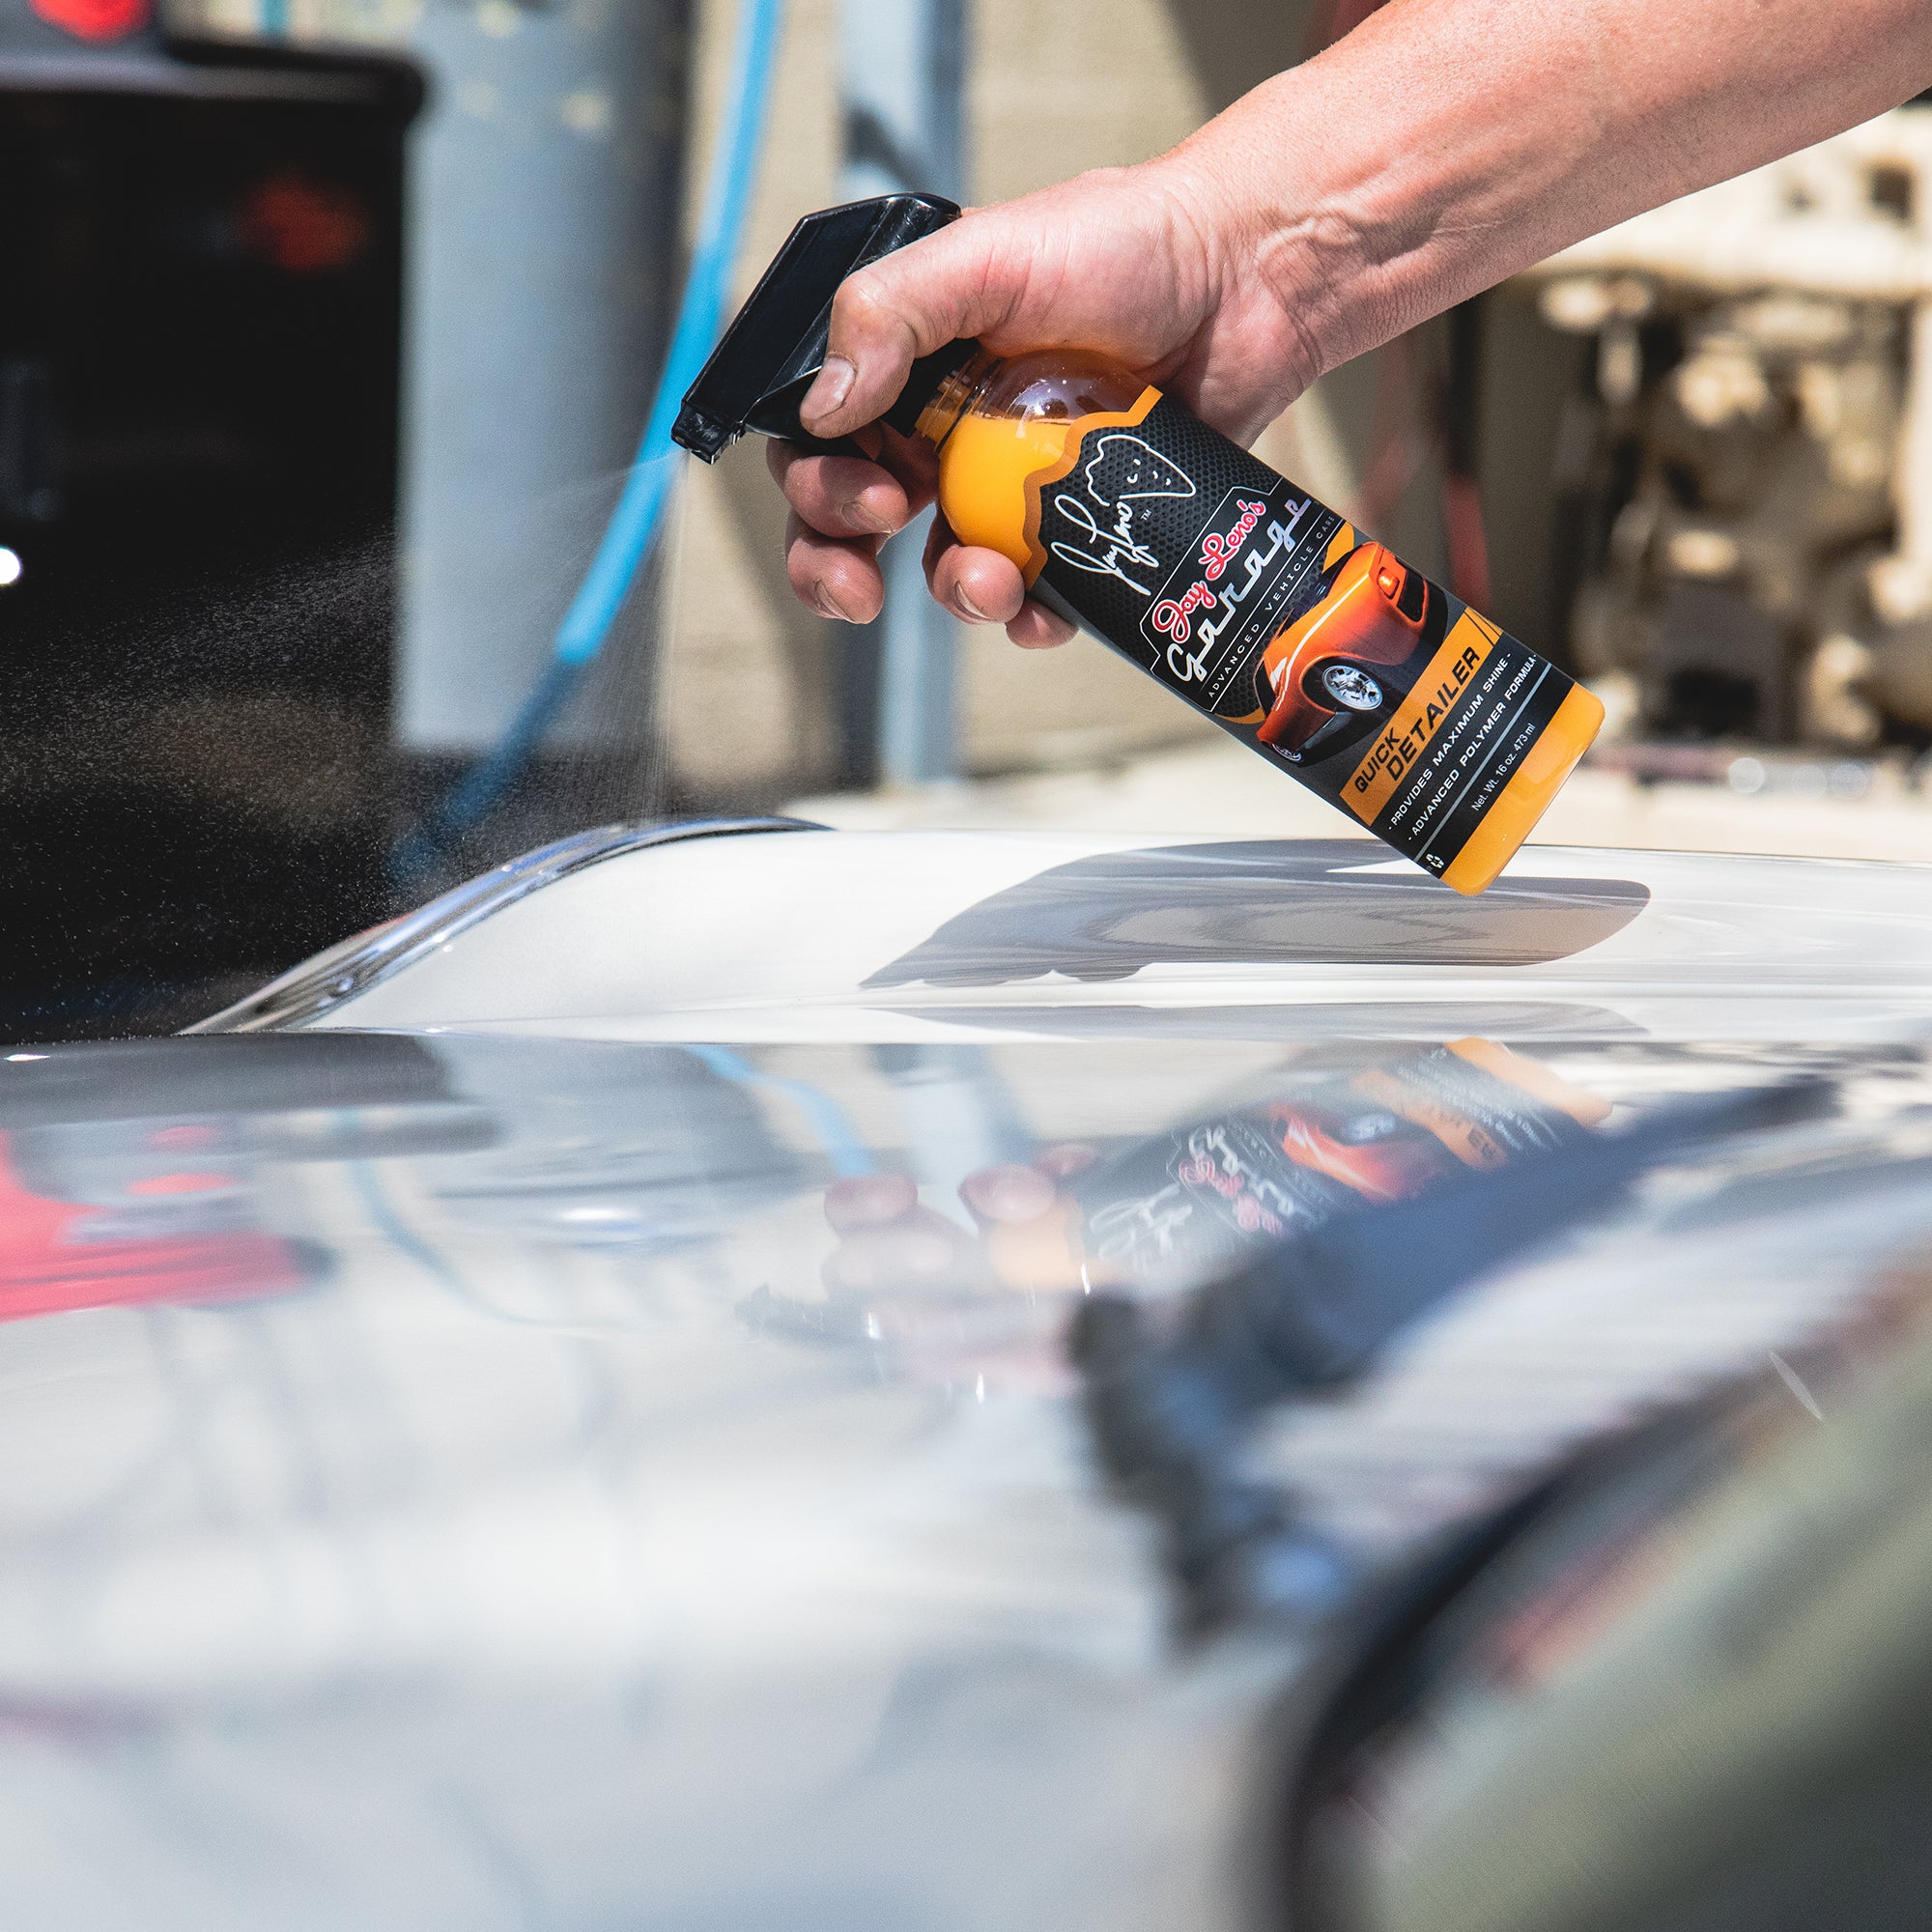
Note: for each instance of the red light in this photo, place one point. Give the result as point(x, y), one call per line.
point(96, 19)
point(304, 227)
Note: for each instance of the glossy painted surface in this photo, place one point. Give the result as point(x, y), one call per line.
point(955, 936)
point(1688, 1693)
point(545, 1515)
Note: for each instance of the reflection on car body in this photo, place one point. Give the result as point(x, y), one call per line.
point(641, 1477)
point(1685, 1689)
point(1301, 903)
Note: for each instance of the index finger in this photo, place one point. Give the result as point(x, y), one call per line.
point(839, 495)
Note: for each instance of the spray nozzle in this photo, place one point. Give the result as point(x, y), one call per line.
point(760, 372)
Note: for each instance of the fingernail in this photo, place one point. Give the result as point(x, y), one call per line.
point(970, 610)
point(1007, 1193)
point(822, 598)
point(870, 522)
point(833, 385)
point(871, 1200)
point(1069, 1158)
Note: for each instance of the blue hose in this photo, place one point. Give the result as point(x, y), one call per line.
point(843, 1143)
point(635, 523)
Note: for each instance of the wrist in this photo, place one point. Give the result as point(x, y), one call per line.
point(1286, 219)
point(1221, 217)
point(1356, 199)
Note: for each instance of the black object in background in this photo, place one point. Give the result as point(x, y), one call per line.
point(199, 341)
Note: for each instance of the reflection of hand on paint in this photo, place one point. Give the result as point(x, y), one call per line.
point(1164, 1208)
point(1023, 1235)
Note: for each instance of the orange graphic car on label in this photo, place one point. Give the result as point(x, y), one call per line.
point(1324, 665)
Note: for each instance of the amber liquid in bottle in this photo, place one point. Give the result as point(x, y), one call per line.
point(1317, 648)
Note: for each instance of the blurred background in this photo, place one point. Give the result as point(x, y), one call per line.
point(330, 572)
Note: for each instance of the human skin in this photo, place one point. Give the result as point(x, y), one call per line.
point(1439, 146)
point(889, 1241)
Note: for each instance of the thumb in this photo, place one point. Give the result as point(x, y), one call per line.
point(886, 315)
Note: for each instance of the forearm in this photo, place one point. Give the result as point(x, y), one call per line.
point(1445, 144)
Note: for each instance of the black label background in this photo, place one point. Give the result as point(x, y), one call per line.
point(1475, 752)
point(1134, 512)
point(1208, 653)
point(1167, 1203)
point(1123, 531)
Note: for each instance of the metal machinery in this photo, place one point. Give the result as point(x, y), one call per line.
point(1751, 473)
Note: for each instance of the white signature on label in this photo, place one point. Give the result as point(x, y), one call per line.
point(1122, 476)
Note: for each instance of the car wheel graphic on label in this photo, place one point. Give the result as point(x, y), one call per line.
point(1351, 688)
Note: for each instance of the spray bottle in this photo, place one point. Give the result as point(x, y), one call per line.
point(1314, 647)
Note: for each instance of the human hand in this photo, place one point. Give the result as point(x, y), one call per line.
point(1022, 1236)
point(1430, 151)
point(1148, 266)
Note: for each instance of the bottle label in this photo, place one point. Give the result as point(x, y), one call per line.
point(1177, 1209)
point(1372, 684)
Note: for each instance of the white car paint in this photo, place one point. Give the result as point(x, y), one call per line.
point(765, 938)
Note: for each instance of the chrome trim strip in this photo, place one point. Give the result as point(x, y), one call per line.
point(308, 990)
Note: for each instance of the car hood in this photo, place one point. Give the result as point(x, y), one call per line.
point(468, 1480)
point(717, 932)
